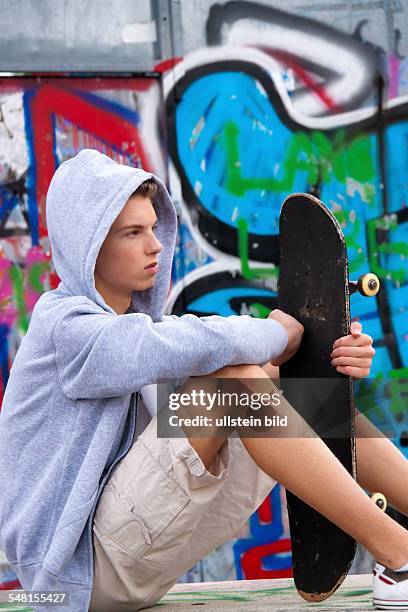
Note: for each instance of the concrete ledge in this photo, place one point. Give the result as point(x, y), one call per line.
point(251, 595)
point(278, 595)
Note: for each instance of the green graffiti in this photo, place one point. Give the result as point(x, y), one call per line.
point(358, 593)
point(399, 390)
point(321, 159)
point(387, 223)
point(243, 595)
point(246, 271)
point(206, 596)
point(383, 396)
point(312, 153)
point(351, 239)
point(259, 311)
point(34, 275)
point(16, 277)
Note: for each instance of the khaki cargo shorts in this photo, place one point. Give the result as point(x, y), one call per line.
point(162, 511)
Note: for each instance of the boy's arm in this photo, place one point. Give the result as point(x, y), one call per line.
point(104, 355)
point(271, 370)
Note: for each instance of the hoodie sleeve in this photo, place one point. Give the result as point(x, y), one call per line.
point(104, 355)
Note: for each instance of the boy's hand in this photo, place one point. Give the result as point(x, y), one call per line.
point(353, 354)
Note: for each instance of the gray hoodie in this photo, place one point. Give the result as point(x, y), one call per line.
point(70, 404)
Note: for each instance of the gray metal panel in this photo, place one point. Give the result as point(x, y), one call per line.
point(73, 35)
point(59, 35)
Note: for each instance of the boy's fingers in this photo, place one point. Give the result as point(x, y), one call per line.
point(357, 362)
point(352, 371)
point(356, 329)
point(353, 351)
point(359, 340)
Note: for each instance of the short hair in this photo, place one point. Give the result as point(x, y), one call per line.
point(147, 189)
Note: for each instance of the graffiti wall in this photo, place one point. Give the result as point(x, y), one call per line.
point(44, 121)
point(262, 102)
point(274, 103)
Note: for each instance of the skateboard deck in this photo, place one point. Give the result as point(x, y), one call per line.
point(314, 288)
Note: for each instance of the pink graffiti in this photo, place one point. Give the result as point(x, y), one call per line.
point(394, 64)
point(8, 311)
point(15, 282)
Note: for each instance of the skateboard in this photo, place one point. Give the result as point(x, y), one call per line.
point(315, 289)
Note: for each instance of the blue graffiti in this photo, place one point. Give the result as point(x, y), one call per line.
point(264, 534)
point(343, 164)
point(218, 301)
point(201, 116)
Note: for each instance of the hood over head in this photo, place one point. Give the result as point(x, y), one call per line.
point(86, 194)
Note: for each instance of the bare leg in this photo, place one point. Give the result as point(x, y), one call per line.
point(289, 460)
point(381, 467)
point(380, 464)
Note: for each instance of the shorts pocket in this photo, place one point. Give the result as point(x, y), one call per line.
point(133, 512)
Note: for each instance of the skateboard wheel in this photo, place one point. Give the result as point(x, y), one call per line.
point(380, 500)
point(368, 284)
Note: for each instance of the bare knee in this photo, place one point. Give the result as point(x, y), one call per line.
point(238, 371)
point(207, 449)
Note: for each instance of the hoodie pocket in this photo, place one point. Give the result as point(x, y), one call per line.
point(67, 535)
point(134, 514)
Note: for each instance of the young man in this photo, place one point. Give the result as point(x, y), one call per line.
point(98, 506)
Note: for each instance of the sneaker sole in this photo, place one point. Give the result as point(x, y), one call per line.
point(389, 604)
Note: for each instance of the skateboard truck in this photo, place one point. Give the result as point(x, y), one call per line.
point(368, 285)
point(380, 500)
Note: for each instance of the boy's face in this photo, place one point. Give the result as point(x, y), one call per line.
point(126, 252)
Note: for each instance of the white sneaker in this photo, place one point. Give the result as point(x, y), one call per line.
point(390, 589)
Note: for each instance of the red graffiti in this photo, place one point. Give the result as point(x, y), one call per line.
point(251, 561)
point(265, 513)
point(304, 76)
point(51, 100)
